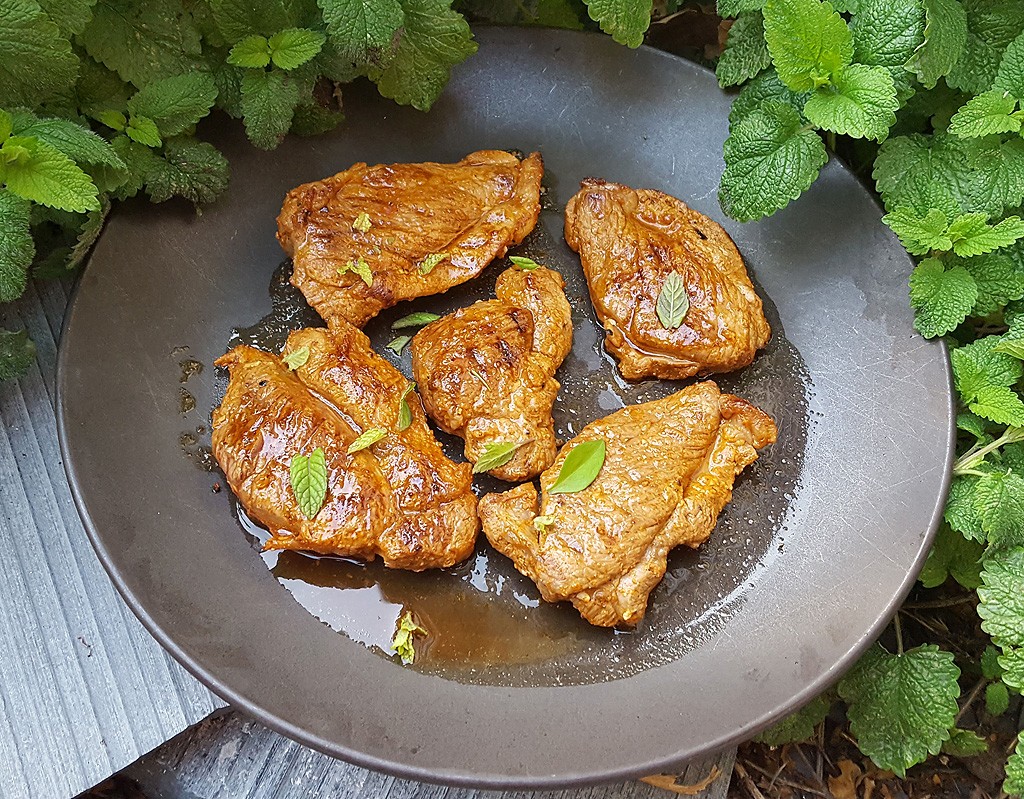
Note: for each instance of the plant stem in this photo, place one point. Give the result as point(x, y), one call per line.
point(941, 603)
point(970, 699)
point(899, 633)
point(965, 463)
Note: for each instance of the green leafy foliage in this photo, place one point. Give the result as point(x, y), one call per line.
point(367, 439)
point(964, 743)
point(746, 52)
point(945, 34)
point(991, 26)
point(672, 302)
point(191, 169)
point(625, 20)
point(808, 41)
point(268, 106)
point(988, 113)
point(859, 101)
point(17, 353)
point(1002, 597)
point(293, 47)
point(798, 726)
point(1014, 783)
point(36, 61)
point(16, 246)
point(901, 707)
point(580, 467)
point(942, 297)
point(494, 455)
point(997, 698)
point(175, 104)
point(955, 556)
point(37, 171)
point(309, 481)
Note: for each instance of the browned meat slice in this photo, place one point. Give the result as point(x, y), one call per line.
point(630, 241)
point(401, 498)
point(668, 473)
point(486, 372)
point(395, 217)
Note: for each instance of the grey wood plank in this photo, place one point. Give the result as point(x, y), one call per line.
point(230, 756)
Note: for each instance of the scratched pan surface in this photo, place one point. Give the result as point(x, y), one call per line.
point(823, 538)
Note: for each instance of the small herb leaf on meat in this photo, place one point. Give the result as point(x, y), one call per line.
point(360, 267)
point(672, 302)
point(398, 343)
point(403, 644)
point(362, 223)
point(296, 358)
point(427, 264)
point(495, 455)
point(367, 439)
point(404, 409)
point(417, 319)
point(524, 263)
point(542, 523)
point(308, 475)
point(580, 467)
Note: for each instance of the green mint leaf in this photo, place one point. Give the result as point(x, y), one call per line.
point(495, 455)
point(16, 246)
point(100, 89)
point(997, 698)
point(860, 102)
point(1010, 75)
point(141, 162)
point(978, 364)
point(887, 33)
point(1014, 348)
point(542, 523)
point(402, 644)
point(1002, 597)
point(143, 42)
point(6, 125)
point(745, 53)
point(17, 353)
point(952, 555)
point(143, 130)
point(367, 439)
point(175, 104)
point(626, 21)
point(45, 175)
point(580, 467)
point(362, 223)
point(36, 61)
point(998, 404)
point(672, 302)
point(998, 282)
point(993, 178)
point(1013, 785)
point(398, 344)
point(990, 668)
point(236, 19)
point(945, 34)
point(434, 39)
point(312, 119)
point(1011, 664)
point(961, 512)
point(404, 408)
point(296, 358)
point(309, 481)
point(363, 31)
point(991, 26)
point(88, 234)
point(763, 89)
point(999, 500)
point(964, 743)
point(808, 41)
point(428, 262)
point(972, 424)
point(557, 14)
point(252, 52)
point(770, 159)
point(941, 298)
point(920, 173)
point(797, 727)
point(988, 113)
point(76, 142)
point(114, 120)
point(733, 8)
point(192, 169)
point(360, 268)
point(417, 319)
point(293, 47)
point(70, 16)
point(973, 235)
point(901, 707)
point(918, 234)
point(268, 105)
point(524, 263)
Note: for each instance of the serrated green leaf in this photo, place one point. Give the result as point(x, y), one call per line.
point(1014, 348)
point(763, 89)
point(999, 404)
point(141, 162)
point(293, 47)
point(163, 40)
point(1011, 664)
point(997, 279)
point(367, 439)
point(972, 235)
point(860, 101)
point(427, 264)
point(309, 481)
point(808, 41)
point(524, 263)
point(964, 743)
point(945, 34)
point(961, 512)
point(901, 707)
point(919, 234)
point(312, 119)
point(672, 302)
point(941, 298)
point(972, 424)
point(17, 353)
point(76, 142)
point(797, 727)
point(952, 555)
point(252, 52)
point(236, 19)
point(36, 61)
point(626, 21)
point(6, 125)
point(997, 698)
point(358, 267)
point(404, 408)
point(143, 130)
point(70, 16)
point(192, 169)
point(993, 177)
point(88, 233)
point(999, 500)
point(496, 454)
point(920, 173)
point(268, 105)
point(16, 247)
point(398, 343)
point(887, 33)
point(733, 8)
point(364, 31)
point(295, 359)
point(434, 39)
point(770, 159)
point(43, 174)
point(1013, 785)
point(978, 363)
point(745, 53)
point(1010, 75)
point(417, 319)
point(580, 467)
point(988, 113)
point(990, 668)
point(1002, 597)
point(175, 104)
point(991, 26)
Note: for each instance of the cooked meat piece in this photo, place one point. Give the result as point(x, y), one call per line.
point(401, 498)
point(470, 213)
point(486, 372)
point(630, 241)
point(667, 474)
